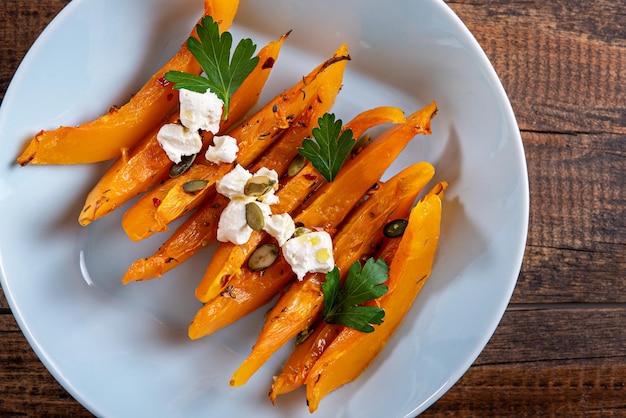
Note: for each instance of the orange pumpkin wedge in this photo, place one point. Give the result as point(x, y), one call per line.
point(381, 152)
point(311, 343)
point(193, 234)
point(228, 258)
point(115, 132)
point(251, 290)
point(145, 217)
point(352, 351)
point(299, 307)
point(146, 164)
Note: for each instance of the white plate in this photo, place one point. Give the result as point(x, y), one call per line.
point(123, 350)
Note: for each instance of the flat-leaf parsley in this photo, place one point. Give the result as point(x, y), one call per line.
point(212, 50)
point(330, 148)
point(343, 304)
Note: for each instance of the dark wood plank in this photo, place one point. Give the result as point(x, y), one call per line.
point(540, 333)
point(546, 360)
point(563, 65)
point(588, 388)
point(4, 305)
point(576, 248)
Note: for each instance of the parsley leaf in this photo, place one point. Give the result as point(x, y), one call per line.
point(223, 74)
point(343, 304)
point(330, 148)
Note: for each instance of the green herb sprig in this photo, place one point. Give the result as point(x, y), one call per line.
point(343, 304)
point(330, 148)
point(212, 50)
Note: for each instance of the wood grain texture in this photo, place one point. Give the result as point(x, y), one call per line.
point(587, 388)
point(560, 347)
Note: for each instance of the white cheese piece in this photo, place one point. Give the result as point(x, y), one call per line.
point(280, 226)
point(264, 171)
point(176, 141)
point(309, 253)
point(232, 226)
point(232, 184)
point(270, 197)
point(200, 110)
point(223, 150)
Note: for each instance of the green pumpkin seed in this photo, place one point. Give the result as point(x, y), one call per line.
point(395, 228)
point(304, 334)
point(296, 165)
point(185, 163)
point(263, 257)
point(258, 186)
point(301, 230)
point(254, 216)
point(193, 186)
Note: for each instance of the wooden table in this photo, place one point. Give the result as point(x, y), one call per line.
point(560, 349)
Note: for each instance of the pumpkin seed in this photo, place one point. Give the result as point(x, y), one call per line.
point(296, 165)
point(395, 228)
point(304, 334)
point(254, 216)
point(301, 230)
point(263, 257)
point(193, 186)
point(258, 186)
point(185, 163)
